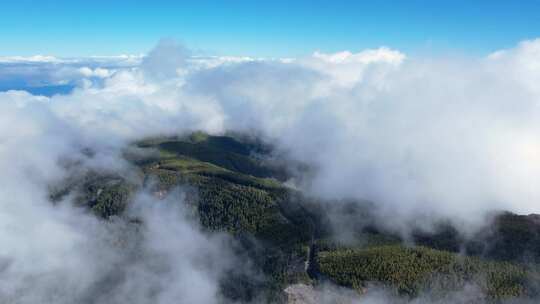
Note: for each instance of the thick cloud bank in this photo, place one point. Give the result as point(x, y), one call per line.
point(442, 137)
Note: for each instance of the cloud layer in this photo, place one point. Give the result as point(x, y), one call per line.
point(441, 137)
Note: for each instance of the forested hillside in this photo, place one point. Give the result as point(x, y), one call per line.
point(232, 185)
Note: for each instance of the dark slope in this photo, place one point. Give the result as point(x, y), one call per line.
point(239, 193)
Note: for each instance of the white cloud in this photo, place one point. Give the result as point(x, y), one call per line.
point(368, 56)
point(450, 136)
point(97, 72)
point(30, 59)
point(59, 254)
point(346, 68)
point(443, 137)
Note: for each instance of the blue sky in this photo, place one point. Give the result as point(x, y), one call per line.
point(270, 29)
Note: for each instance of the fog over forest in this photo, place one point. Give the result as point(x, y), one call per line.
point(424, 139)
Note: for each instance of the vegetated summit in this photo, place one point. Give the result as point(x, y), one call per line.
point(232, 185)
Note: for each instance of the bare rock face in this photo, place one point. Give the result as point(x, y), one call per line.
point(307, 294)
point(301, 294)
